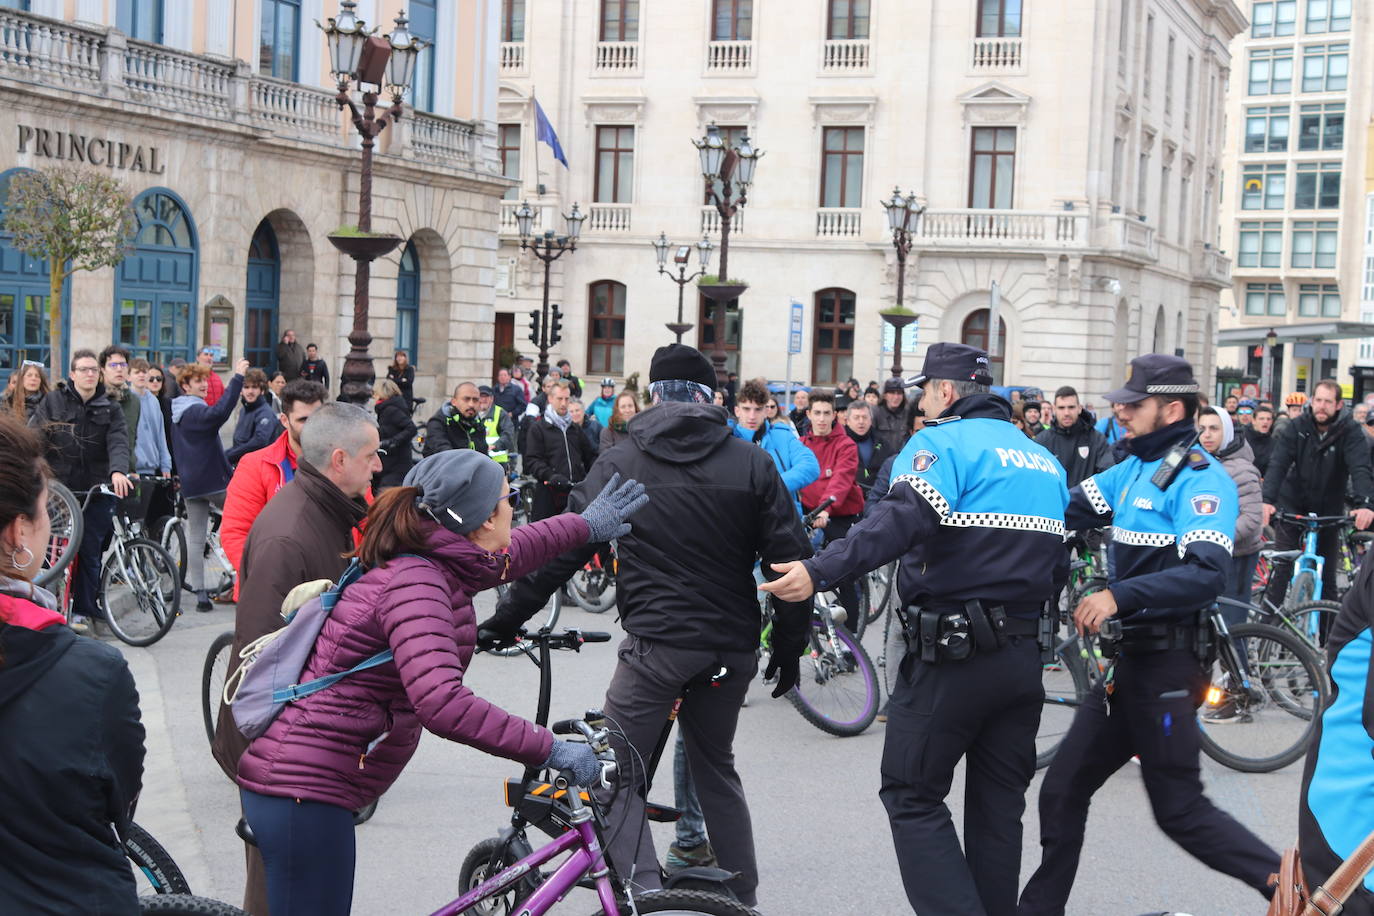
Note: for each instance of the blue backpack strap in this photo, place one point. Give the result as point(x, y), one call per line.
point(301, 691)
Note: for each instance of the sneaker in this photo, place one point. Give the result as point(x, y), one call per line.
point(79, 625)
point(702, 856)
point(1223, 713)
point(882, 712)
point(203, 603)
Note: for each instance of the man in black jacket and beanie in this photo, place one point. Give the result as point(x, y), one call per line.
point(1314, 456)
point(686, 596)
point(557, 453)
point(1080, 448)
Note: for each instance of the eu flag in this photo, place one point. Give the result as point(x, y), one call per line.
point(544, 133)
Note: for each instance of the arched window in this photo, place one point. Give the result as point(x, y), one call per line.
point(707, 330)
point(408, 302)
point(832, 360)
point(1157, 340)
point(156, 286)
point(606, 328)
point(262, 298)
point(24, 301)
point(1180, 333)
point(975, 334)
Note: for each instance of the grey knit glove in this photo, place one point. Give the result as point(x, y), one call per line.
point(606, 514)
point(575, 756)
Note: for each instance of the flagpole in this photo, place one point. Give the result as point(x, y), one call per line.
point(534, 114)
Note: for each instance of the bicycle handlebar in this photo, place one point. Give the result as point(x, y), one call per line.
point(571, 638)
point(810, 517)
point(1314, 521)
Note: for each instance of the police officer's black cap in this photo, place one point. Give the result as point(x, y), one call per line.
point(956, 362)
point(1152, 374)
point(485, 391)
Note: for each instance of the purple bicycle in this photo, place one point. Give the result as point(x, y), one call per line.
point(503, 875)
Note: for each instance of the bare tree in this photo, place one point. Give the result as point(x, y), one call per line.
point(75, 219)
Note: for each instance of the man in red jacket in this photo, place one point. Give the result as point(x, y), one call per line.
point(260, 474)
point(839, 460)
point(206, 357)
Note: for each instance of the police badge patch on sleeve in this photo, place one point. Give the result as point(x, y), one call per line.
point(922, 460)
point(1206, 505)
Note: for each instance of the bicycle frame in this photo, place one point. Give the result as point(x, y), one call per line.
point(1310, 559)
point(587, 856)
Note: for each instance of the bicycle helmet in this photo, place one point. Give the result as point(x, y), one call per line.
point(1296, 399)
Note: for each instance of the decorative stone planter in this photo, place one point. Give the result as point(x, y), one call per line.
point(722, 292)
point(365, 247)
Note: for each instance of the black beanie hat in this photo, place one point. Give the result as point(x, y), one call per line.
point(679, 361)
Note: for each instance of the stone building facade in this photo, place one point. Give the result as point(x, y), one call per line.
point(239, 175)
point(1067, 152)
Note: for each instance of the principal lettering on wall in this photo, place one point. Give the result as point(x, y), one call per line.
point(113, 154)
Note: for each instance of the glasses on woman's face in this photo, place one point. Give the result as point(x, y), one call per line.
point(513, 497)
point(154, 380)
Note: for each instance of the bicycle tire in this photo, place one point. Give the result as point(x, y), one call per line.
point(187, 905)
point(682, 902)
point(1286, 668)
point(212, 680)
point(886, 577)
point(1301, 590)
point(171, 534)
point(157, 865)
point(484, 862)
point(825, 669)
point(1062, 699)
point(64, 540)
point(1326, 611)
point(142, 613)
point(588, 596)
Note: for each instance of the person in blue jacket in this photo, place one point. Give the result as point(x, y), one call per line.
point(1173, 511)
point(796, 463)
point(976, 515)
point(1110, 427)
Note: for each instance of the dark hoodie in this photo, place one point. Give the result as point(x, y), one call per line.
point(87, 440)
point(716, 505)
point(72, 762)
point(1309, 469)
point(1081, 449)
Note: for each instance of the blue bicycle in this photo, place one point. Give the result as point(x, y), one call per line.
point(1306, 583)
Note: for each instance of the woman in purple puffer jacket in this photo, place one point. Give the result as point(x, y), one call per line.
point(430, 545)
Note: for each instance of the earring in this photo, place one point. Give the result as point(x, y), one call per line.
point(14, 558)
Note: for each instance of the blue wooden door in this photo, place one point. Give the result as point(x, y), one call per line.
point(263, 299)
point(156, 286)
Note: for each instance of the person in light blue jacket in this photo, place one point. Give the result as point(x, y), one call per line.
point(796, 463)
point(152, 457)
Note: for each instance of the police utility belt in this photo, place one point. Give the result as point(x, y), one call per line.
point(1144, 639)
point(955, 632)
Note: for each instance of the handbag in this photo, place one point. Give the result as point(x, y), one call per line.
point(1291, 896)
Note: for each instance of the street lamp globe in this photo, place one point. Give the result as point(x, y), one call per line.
point(897, 210)
point(405, 51)
point(748, 160)
point(574, 220)
point(1271, 339)
point(711, 148)
point(524, 219)
point(913, 212)
point(704, 249)
point(346, 34)
point(661, 250)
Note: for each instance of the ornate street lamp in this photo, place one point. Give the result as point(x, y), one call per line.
point(356, 54)
point(547, 248)
point(681, 257)
point(1271, 340)
point(728, 173)
point(903, 217)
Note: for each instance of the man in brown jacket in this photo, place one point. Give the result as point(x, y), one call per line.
point(302, 534)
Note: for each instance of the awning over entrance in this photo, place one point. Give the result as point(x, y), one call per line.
point(1292, 333)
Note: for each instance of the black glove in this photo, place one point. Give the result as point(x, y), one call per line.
point(561, 483)
point(785, 662)
point(495, 633)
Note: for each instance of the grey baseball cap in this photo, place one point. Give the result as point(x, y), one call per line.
point(459, 488)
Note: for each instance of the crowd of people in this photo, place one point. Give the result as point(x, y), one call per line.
point(704, 486)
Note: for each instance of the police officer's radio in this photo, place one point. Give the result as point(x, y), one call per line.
point(1172, 463)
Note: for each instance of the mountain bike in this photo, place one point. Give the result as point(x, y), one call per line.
point(1306, 582)
point(162, 888)
point(505, 874)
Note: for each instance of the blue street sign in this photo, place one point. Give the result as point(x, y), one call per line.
point(794, 337)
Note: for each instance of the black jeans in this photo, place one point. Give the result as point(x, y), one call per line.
point(986, 711)
point(1153, 714)
point(98, 523)
point(847, 589)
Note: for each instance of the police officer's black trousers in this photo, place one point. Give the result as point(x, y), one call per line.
point(987, 710)
point(1153, 714)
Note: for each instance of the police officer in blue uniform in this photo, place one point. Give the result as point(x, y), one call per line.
point(976, 514)
point(1172, 508)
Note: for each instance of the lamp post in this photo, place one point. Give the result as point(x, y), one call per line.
point(728, 173)
point(357, 54)
point(680, 258)
point(547, 248)
point(903, 215)
point(1271, 340)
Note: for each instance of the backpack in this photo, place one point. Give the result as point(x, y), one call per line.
point(270, 667)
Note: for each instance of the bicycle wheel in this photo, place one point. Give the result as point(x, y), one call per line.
point(1301, 590)
point(838, 688)
point(485, 861)
point(593, 590)
point(1312, 621)
point(187, 905)
point(678, 902)
point(881, 582)
point(135, 585)
point(159, 872)
point(64, 516)
point(212, 681)
point(1275, 706)
point(171, 534)
point(1066, 687)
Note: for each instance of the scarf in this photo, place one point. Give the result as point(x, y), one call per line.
point(676, 389)
point(559, 422)
point(18, 588)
